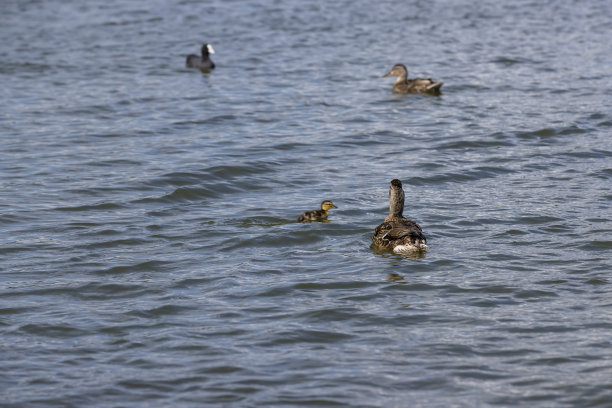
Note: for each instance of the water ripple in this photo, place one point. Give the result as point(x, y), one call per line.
point(151, 251)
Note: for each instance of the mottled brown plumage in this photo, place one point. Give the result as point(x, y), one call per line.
point(397, 233)
point(317, 215)
point(403, 85)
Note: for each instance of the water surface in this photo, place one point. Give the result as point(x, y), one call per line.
point(150, 254)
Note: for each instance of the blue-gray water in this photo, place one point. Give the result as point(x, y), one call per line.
point(150, 255)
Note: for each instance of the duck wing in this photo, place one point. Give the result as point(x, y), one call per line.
point(312, 215)
point(426, 85)
point(391, 233)
point(400, 233)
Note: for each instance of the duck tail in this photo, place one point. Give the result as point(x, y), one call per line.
point(421, 244)
point(435, 86)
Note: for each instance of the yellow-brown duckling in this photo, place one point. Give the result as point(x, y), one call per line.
point(317, 215)
point(397, 233)
point(403, 85)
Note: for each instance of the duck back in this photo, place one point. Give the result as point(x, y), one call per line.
point(399, 236)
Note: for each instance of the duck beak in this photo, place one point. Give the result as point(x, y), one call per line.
point(333, 206)
point(211, 50)
point(387, 75)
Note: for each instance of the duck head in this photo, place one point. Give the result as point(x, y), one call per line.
point(326, 205)
point(398, 70)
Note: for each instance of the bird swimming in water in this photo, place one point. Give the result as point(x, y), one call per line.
point(317, 215)
point(403, 85)
point(397, 233)
point(204, 62)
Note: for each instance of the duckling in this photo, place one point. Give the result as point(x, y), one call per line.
point(397, 233)
point(403, 85)
point(203, 62)
point(317, 215)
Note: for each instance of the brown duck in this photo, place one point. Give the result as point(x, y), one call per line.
point(403, 85)
point(396, 233)
point(317, 215)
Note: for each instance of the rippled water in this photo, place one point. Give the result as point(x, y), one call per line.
point(150, 254)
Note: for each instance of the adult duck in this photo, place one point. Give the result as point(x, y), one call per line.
point(396, 233)
point(403, 85)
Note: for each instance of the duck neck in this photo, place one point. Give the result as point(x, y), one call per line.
point(402, 78)
point(396, 203)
